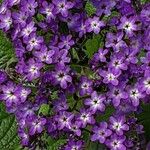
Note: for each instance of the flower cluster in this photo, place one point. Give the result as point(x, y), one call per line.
point(49, 39)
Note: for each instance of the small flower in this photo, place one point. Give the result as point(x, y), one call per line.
point(101, 132)
point(85, 86)
point(110, 76)
point(45, 55)
point(95, 102)
point(61, 76)
point(94, 24)
point(118, 124)
point(36, 125)
point(5, 21)
point(116, 142)
point(128, 25)
point(85, 117)
point(66, 42)
point(74, 145)
point(64, 119)
point(62, 6)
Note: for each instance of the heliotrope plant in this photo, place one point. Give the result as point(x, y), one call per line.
point(81, 73)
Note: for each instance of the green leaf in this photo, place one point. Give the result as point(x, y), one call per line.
point(92, 45)
point(104, 117)
point(7, 55)
point(145, 1)
point(44, 109)
point(144, 119)
point(96, 146)
point(8, 130)
point(57, 144)
point(90, 9)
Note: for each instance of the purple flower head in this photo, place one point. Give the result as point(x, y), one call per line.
point(64, 119)
point(135, 95)
point(5, 21)
point(85, 86)
point(29, 6)
point(60, 104)
point(101, 132)
point(128, 25)
point(116, 142)
point(3, 77)
point(61, 76)
point(33, 42)
point(94, 25)
point(3, 7)
point(74, 145)
point(95, 102)
point(103, 7)
point(63, 6)
point(44, 55)
point(66, 42)
point(48, 10)
point(9, 94)
point(32, 69)
point(36, 125)
point(85, 117)
point(75, 127)
point(13, 2)
point(20, 18)
point(110, 76)
point(61, 56)
point(23, 93)
point(82, 29)
point(24, 137)
point(118, 124)
point(115, 41)
point(28, 29)
point(118, 63)
point(117, 93)
point(100, 56)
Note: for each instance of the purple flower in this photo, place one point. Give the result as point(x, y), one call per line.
point(44, 55)
point(85, 117)
point(62, 6)
point(118, 124)
point(118, 63)
point(29, 6)
point(116, 142)
point(95, 102)
point(64, 119)
point(110, 76)
point(66, 42)
point(34, 42)
point(135, 95)
point(74, 145)
point(115, 41)
point(75, 127)
point(101, 132)
point(117, 93)
point(48, 10)
point(9, 94)
point(100, 56)
point(61, 76)
point(36, 125)
point(60, 104)
point(3, 77)
point(24, 137)
point(28, 29)
point(20, 18)
point(32, 69)
point(5, 21)
point(128, 25)
point(94, 24)
point(85, 86)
